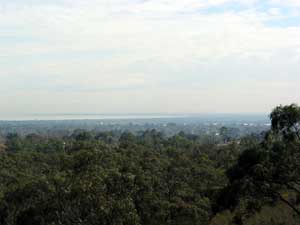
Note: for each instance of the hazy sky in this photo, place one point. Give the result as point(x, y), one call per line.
point(146, 56)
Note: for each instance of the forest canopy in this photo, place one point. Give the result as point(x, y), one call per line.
point(149, 178)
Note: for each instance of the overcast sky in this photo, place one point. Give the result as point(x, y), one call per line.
point(148, 56)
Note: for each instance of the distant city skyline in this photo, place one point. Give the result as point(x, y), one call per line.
point(134, 116)
point(137, 117)
point(154, 56)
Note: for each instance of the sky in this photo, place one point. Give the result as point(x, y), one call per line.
point(148, 56)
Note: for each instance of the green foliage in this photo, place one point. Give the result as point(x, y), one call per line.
point(80, 180)
point(269, 172)
point(114, 178)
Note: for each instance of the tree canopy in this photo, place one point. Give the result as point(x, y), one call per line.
point(149, 178)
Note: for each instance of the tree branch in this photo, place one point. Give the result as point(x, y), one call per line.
point(288, 203)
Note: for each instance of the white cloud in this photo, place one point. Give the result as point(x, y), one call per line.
point(160, 53)
point(286, 2)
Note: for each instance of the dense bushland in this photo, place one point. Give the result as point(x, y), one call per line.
point(149, 179)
